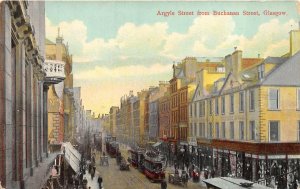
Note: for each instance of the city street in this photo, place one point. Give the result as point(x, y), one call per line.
point(113, 178)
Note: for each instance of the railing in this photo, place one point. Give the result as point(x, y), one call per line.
point(55, 70)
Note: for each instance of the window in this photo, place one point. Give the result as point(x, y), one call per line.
point(231, 103)
point(261, 71)
point(223, 130)
point(274, 130)
point(195, 129)
point(273, 99)
point(202, 108)
point(298, 99)
point(223, 104)
point(191, 110)
point(298, 130)
point(210, 107)
point(195, 109)
point(242, 130)
point(191, 129)
point(217, 106)
point(251, 101)
point(202, 129)
point(210, 130)
point(232, 130)
point(252, 130)
point(241, 101)
point(217, 130)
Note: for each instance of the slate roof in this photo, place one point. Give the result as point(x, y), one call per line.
point(286, 74)
point(275, 60)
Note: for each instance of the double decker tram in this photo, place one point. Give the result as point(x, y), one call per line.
point(154, 166)
point(112, 148)
point(137, 158)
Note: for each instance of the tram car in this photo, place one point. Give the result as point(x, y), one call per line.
point(112, 148)
point(108, 139)
point(154, 166)
point(137, 158)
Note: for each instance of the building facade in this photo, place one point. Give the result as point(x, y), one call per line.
point(247, 125)
point(113, 120)
point(154, 124)
point(23, 92)
point(54, 54)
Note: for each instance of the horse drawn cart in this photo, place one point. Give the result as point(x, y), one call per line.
point(178, 180)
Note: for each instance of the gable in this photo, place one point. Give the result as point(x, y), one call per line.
point(230, 83)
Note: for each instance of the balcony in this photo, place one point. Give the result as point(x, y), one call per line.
point(55, 71)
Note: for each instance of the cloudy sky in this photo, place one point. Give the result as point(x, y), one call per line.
point(123, 46)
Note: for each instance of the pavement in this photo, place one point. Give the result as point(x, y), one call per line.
point(40, 173)
point(93, 183)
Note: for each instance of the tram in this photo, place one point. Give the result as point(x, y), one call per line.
point(154, 166)
point(112, 148)
point(137, 158)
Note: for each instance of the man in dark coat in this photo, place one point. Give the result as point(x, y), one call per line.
point(163, 184)
point(100, 182)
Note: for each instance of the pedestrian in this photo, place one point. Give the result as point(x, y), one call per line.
point(84, 182)
point(213, 173)
point(163, 184)
point(100, 182)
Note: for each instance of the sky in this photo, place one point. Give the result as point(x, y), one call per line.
point(121, 46)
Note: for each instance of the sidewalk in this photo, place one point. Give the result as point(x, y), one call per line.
point(40, 173)
point(92, 183)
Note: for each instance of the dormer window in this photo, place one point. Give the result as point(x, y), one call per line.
point(261, 71)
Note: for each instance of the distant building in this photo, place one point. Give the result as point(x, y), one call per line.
point(154, 122)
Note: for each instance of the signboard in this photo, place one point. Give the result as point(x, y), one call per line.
point(192, 141)
point(293, 156)
point(276, 156)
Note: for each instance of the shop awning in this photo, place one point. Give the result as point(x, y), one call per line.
point(157, 144)
point(72, 156)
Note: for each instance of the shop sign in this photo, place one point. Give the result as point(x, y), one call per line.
point(254, 156)
point(276, 156)
point(192, 141)
point(293, 156)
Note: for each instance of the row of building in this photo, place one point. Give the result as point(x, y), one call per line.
point(230, 115)
point(39, 106)
point(67, 118)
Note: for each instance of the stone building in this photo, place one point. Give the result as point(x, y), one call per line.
point(55, 55)
point(247, 124)
point(155, 94)
point(113, 120)
point(23, 92)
